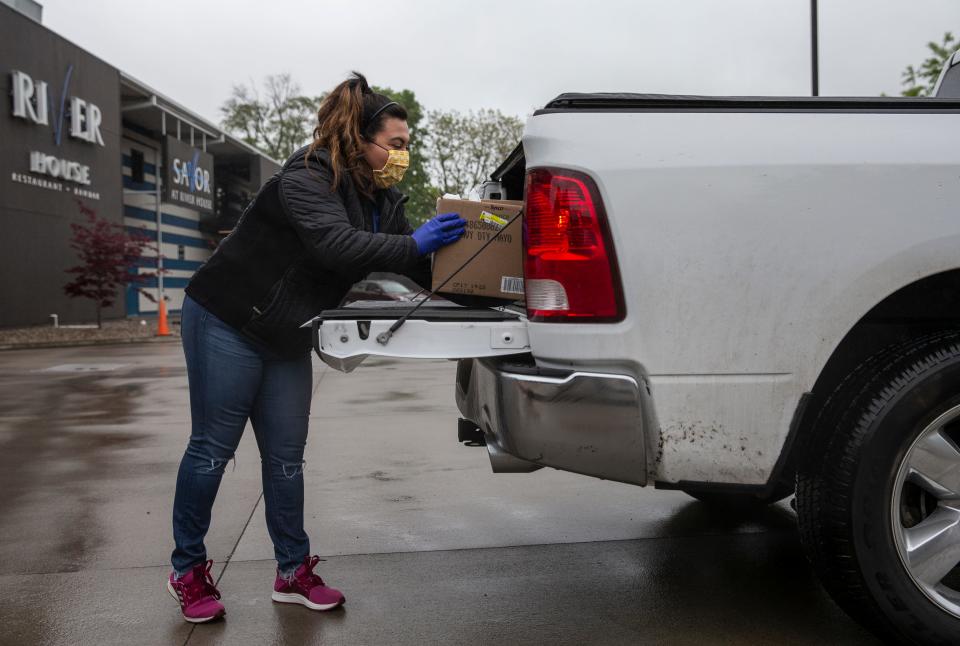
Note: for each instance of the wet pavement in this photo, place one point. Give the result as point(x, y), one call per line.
point(428, 545)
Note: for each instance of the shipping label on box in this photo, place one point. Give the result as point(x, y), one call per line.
point(498, 270)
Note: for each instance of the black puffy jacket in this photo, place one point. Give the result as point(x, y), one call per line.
point(298, 248)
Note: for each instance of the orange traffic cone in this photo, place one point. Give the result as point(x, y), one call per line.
point(162, 328)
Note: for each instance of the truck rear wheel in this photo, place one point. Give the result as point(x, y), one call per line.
point(878, 492)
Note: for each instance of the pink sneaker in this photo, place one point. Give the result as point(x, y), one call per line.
point(307, 588)
point(196, 594)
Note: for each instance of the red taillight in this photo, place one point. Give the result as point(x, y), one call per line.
point(570, 272)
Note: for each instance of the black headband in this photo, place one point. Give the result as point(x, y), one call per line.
point(373, 117)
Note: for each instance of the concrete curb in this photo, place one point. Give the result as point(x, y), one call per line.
point(85, 342)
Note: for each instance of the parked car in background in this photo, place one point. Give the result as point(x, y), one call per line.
point(385, 287)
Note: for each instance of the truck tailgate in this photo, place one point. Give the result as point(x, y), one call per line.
point(344, 337)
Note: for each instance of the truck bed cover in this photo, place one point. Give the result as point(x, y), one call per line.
point(629, 102)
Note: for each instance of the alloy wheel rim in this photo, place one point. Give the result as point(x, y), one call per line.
point(925, 511)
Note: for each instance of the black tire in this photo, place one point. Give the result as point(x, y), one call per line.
point(846, 480)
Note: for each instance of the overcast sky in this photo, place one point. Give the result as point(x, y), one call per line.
point(509, 54)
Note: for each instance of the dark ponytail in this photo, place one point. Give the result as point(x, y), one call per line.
point(348, 114)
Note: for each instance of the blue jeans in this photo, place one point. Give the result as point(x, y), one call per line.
point(233, 380)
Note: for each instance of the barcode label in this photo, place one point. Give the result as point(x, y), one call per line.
point(490, 218)
point(511, 285)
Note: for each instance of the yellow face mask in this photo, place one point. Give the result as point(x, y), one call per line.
point(392, 172)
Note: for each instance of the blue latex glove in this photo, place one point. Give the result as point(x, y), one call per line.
point(438, 232)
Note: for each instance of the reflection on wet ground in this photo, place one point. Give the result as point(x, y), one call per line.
point(429, 546)
point(60, 434)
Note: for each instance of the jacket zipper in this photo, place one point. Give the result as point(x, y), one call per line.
point(392, 211)
point(283, 279)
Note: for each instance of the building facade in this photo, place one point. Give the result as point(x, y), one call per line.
point(76, 129)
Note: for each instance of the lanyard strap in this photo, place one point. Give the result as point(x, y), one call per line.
point(384, 337)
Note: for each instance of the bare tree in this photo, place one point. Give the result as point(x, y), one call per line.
point(464, 148)
point(277, 120)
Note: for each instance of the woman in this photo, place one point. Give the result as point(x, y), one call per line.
point(328, 218)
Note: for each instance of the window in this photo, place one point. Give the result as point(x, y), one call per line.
point(136, 165)
point(393, 287)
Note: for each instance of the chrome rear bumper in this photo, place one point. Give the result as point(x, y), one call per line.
point(585, 422)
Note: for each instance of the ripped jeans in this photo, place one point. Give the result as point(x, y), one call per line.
point(233, 380)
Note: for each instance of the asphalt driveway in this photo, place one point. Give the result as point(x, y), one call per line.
point(428, 545)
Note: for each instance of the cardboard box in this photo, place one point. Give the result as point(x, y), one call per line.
point(498, 271)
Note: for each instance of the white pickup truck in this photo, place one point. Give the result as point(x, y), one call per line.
point(740, 298)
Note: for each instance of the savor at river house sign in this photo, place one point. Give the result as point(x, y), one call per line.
point(64, 114)
point(188, 176)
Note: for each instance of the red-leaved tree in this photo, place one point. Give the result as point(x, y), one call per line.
point(109, 258)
